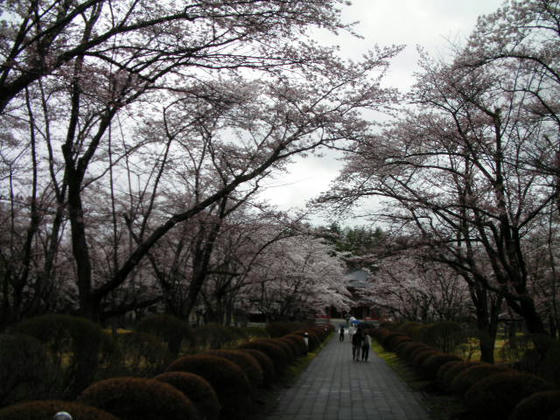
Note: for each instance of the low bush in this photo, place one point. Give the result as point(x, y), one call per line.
point(272, 350)
point(431, 364)
point(392, 341)
point(497, 395)
point(408, 349)
point(468, 377)
point(447, 373)
point(266, 363)
point(139, 398)
point(25, 369)
point(74, 345)
point(248, 364)
point(198, 390)
point(286, 347)
point(228, 380)
point(173, 331)
point(418, 357)
point(297, 342)
point(539, 405)
point(44, 410)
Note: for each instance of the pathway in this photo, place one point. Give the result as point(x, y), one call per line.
point(334, 387)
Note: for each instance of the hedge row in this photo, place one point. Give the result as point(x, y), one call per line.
point(488, 391)
point(213, 384)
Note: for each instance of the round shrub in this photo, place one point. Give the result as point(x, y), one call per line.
point(287, 347)
point(246, 362)
point(408, 349)
point(497, 395)
point(228, 380)
point(390, 341)
point(198, 390)
point(267, 366)
point(272, 350)
point(431, 364)
point(139, 398)
point(468, 377)
point(44, 410)
point(25, 369)
point(447, 373)
point(142, 354)
point(539, 405)
point(297, 343)
point(420, 355)
point(74, 344)
point(170, 329)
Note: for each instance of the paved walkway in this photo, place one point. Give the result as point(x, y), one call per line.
point(334, 387)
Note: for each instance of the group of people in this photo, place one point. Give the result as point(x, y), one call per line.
point(361, 341)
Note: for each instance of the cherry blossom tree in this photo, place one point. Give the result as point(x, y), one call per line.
point(224, 91)
point(298, 277)
point(468, 166)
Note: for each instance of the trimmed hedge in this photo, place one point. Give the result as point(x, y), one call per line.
point(298, 342)
point(408, 349)
point(45, 410)
point(447, 373)
point(272, 350)
point(468, 377)
point(418, 356)
point(266, 363)
point(539, 405)
point(431, 365)
point(392, 340)
point(197, 389)
point(245, 361)
point(139, 398)
point(228, 380)
point(496, 396)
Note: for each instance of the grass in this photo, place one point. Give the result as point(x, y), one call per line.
point(440, 406)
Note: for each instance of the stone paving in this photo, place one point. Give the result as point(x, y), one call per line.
point(334, 387)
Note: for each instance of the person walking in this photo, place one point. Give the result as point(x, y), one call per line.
point(341, 336)
point(356, 344)
point(366, 344)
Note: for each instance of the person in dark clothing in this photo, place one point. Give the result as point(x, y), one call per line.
point(366, 344)
point(356, 344)
point(341, 337)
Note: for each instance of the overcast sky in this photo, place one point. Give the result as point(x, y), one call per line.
point(432, 24)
